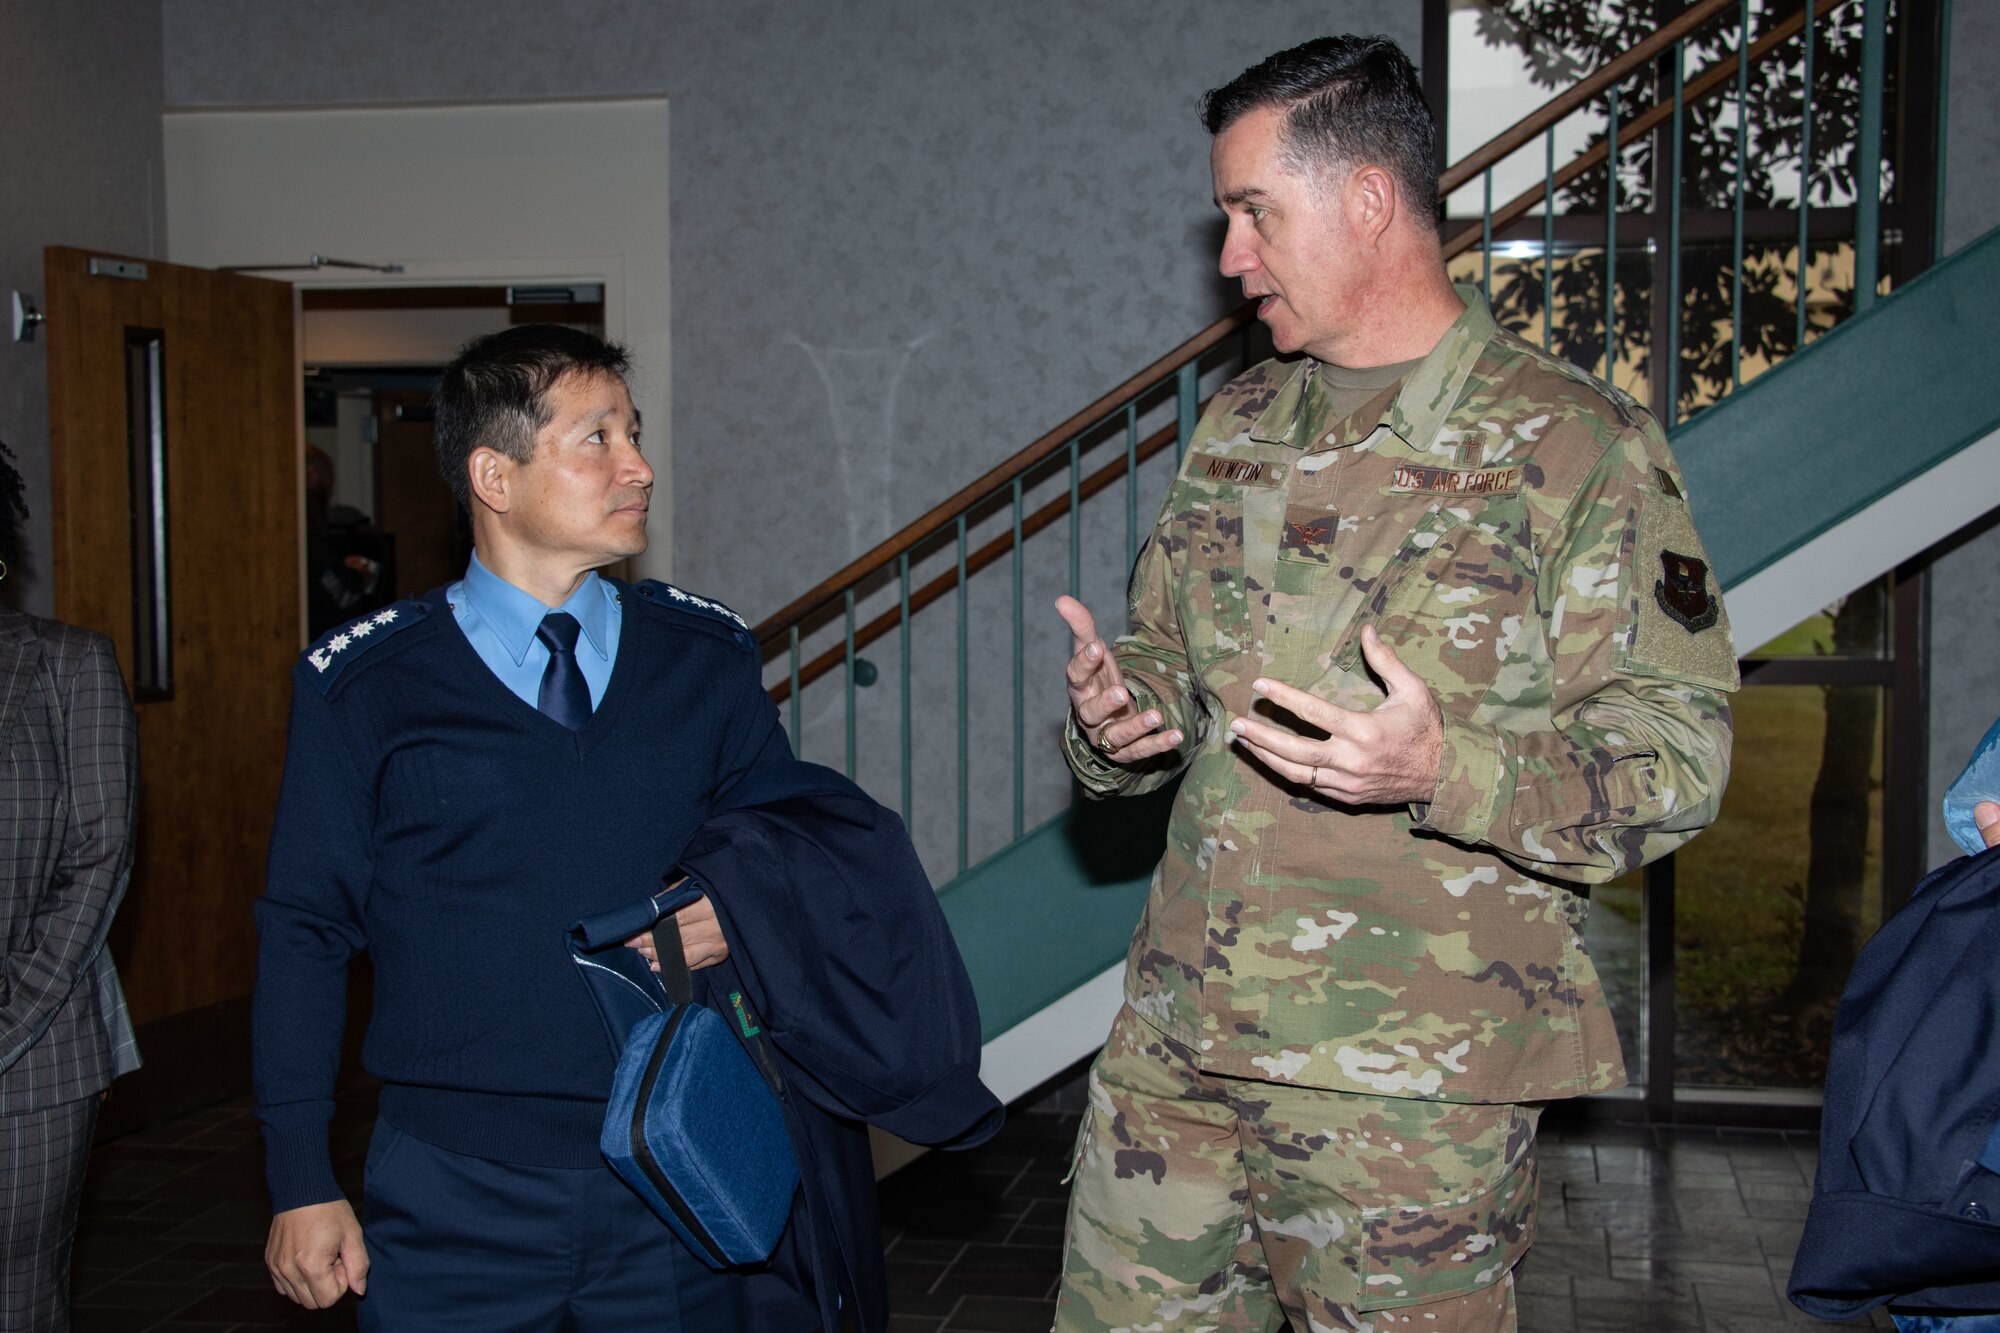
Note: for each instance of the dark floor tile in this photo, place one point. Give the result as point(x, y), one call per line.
point(1682, 1276)
point(910, 1323)
point(261, 1309)
point(1001, 1270)
point(162, 1298)
point(1041, 1238)
point(1626, 1165)
point(1538, 1312)
point(1670, 1246)
point(912, 1278)
point(108, 1319)
point(921, 1249)
point(1635, 1217)
point(1001, 1314)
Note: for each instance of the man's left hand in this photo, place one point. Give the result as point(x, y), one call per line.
point(701, 936)
point(1386, 757)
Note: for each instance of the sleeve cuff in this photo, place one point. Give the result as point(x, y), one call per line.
point(1099, 775)
point(1471, 772)
point(298, 1166)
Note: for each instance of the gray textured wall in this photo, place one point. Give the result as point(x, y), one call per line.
point(1965, 578)
point(79, 165)
point(907, 238)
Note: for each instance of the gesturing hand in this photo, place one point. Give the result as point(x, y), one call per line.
point(1097, 695)
point(1386, 757)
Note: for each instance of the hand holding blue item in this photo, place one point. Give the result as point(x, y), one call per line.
point(1972, 804)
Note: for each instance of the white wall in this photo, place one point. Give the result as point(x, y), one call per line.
point(548, 191)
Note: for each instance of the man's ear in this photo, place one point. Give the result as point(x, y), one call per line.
point(1372, 202)
point(491, 474)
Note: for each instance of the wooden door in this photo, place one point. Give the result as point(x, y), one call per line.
point(174, 432)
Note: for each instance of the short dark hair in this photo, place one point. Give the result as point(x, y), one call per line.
point(495, 392)
point(1348, 101)
point(13, 505)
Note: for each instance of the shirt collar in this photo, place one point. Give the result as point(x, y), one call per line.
point(514, 615)
point(1419, 408)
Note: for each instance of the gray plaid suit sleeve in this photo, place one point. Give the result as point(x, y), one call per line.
point(68, 790)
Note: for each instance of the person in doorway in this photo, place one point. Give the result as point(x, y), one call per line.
point(1427, 627)
point(347, 557)
point(467, 773)
point(68, 803)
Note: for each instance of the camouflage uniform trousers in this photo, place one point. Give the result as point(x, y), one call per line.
point(1210, 1203)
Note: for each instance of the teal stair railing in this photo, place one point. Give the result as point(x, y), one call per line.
point(1684, 188)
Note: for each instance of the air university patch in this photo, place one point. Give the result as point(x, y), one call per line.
point(1682, 592)
point(1677, 627)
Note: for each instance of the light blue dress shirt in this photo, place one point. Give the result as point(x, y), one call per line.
point(500, 622)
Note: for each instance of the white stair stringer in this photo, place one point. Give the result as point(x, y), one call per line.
point(1867, 544)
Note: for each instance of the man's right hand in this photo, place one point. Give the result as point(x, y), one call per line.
point(315, 1253)
point(1098, 697)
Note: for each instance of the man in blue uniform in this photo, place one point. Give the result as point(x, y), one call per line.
point(467, 773)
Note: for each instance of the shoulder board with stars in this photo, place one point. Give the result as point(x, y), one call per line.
point(326, 659)
point(666, 594)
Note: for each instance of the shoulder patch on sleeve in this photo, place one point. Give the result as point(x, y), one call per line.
point(332, 654)
point(1675, 625)
point(680, 599)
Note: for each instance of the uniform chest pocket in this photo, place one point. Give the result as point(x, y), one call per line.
point(1457, 603)
point(1205, 541)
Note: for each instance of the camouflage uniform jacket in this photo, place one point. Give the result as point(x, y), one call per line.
point(1518, 534)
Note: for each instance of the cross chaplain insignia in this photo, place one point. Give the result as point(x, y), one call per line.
point(1683, 592)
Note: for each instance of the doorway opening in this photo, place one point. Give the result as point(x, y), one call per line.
point(380, 522)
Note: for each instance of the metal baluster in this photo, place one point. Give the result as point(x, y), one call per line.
point(1131, 482)
point(1075, 521)
point(1549, 243)
point(798, 737)
point(1020, 769)
point(964, 727)
point(1611, 240)
point(1742, 172)
point(1672, 408)
point(1868, 159)
point(1187, 406)
point(903, 605)
point(1805, 173)
point(1486, 239)
point(1943, 119)
point(848, 607)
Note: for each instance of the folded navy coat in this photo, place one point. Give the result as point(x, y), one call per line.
point(837, 942)
point(1906, 1207)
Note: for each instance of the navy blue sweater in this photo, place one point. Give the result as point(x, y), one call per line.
point(432, 819)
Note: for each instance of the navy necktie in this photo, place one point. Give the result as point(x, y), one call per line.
point(565, 695)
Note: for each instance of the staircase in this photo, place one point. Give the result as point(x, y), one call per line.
point(1815, 467)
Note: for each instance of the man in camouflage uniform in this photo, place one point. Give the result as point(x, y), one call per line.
point(1427, 627)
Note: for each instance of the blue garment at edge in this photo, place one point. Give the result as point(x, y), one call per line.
point(1906, 1209)
point(500, 621)
point(1979, 782)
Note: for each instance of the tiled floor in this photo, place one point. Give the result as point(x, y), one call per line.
point(1641, 1229)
